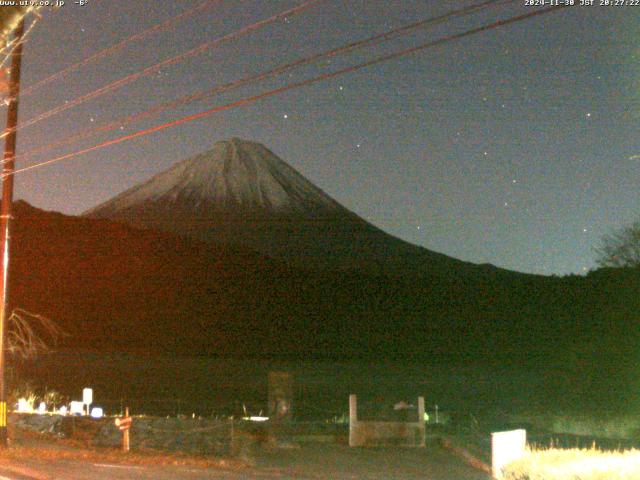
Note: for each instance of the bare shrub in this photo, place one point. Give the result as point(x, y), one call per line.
point(30, 334)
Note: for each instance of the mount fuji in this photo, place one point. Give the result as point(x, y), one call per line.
point(240, 193)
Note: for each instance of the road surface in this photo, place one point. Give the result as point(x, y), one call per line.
point(311, 462)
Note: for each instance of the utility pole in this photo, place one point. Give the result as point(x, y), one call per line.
point(5, 215)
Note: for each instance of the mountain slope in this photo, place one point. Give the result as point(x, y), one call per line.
point(116, 288)
point(241, 193)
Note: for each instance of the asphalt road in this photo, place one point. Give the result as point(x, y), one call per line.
point(309, 462)
point(74, 470)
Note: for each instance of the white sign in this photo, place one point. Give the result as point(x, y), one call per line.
point(506, 447)
point(24, 406)
point(76, 408)
point(96, 412)
point(87, 396)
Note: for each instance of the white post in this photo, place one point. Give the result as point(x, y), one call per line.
point(353, 419)
point(87, 398)
point(421, 420)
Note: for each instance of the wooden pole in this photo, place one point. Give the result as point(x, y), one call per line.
point(5, 216)
point(125, 433)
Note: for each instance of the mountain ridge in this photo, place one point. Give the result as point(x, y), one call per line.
point(239, 192)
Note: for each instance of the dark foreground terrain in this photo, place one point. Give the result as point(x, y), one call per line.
point(114, 288)
point(60, 462)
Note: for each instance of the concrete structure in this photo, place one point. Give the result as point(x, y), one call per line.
point(280, 400)
point(363, 433)
point(280, 397)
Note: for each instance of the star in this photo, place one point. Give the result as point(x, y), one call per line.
point(357, 145)
point(588, 115)
point(285, 116)
point(486, 153)
point(340, 87)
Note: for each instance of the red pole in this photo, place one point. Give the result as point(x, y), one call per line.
point(5, 216)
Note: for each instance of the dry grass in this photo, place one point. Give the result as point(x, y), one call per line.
point(575, 464)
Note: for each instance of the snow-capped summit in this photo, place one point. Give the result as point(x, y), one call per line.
point(234, 175)
point(239, 192)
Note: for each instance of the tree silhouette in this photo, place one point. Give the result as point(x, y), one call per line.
point(620, 248)
point(29, 334)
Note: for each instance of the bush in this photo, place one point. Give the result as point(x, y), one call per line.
point(34, 395)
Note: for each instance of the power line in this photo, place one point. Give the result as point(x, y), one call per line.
point(373, 40)
point(170, 61)
point(9, 48)
point(13, 45)
point(319, 78)
point(120, 45)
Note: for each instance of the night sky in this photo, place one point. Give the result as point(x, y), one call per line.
point(518, 146)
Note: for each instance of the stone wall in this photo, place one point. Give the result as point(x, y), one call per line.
point(373, 433)
point(191, 435)
point(185, 434)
